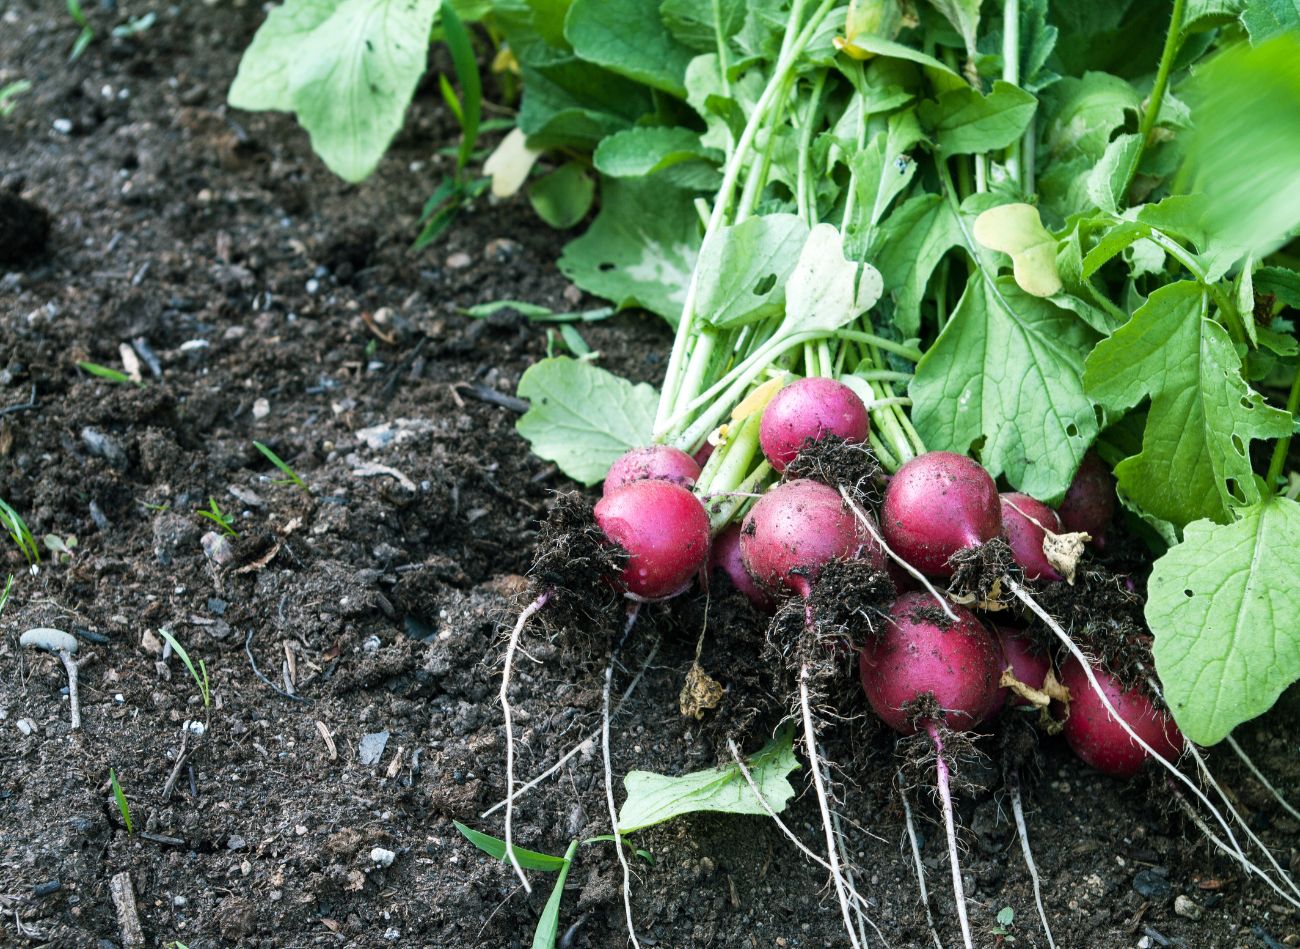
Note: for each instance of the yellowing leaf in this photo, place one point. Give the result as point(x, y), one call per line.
point(1016, 229)
point(510, 163)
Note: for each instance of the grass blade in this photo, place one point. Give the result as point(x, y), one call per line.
point(462, 57)
point(548, 927)
point(496, 848)
point(120, 796)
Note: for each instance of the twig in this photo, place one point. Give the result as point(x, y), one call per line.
point(1019, 812)
point(917, 575)
point(576, 749)
point(916, 858)
point(248, 651)
point(609, 775)
point(1259, 776)
point(128, 920)
point(950, 826)
point(511, 646)
point(70, 666)
point(21, 406)
point(170, 786)
point(814, 764)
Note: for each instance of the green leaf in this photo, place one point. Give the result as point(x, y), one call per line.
point(941, 78)
point(548, 20)
point(655, 798)
point(1113, 242)
point(640, 250)
point(692, 22)
point(1265, 19)
point(1210, 14)
point(1017, 230)
point(569, 103)
point(884, 169)
point(964, 15)
point(1243, 146)
point(912, 241)
point(462, 56)
point(964, 122)
point(1203, 416)
point(548, 926)
point(583, 417)
point(346, 68)
point(1281, 283)
point(1111, 175)
point(628, 37)
point(742, 271)
point(649, 150)
point(496, 849)
point(1081, 113)
point(1008, 369)
point(1223, 607)
point(563, 197)
point(826, 290)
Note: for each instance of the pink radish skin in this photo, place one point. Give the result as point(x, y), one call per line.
point(665, 531)
point(937, 504)
point(1023, 521)
point(1027, 665)
point(808, 410)
point(726, 558)
point(915, 655)
point(797, 528)
point(1098, 739)
point(1089, 504)
point(655, 463)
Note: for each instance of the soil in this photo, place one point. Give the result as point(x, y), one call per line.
point(262, 299)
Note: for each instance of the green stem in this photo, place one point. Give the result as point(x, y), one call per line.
point(909, 353)
point(722, 512)
point(1193, 267)
point(1011, 73)
point(1278, 462)
point(806, 196)
point(734, 457)
point(1173, 39)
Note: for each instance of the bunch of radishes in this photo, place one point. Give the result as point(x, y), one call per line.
point(935, 506)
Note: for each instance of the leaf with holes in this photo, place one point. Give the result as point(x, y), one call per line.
point(743, 269)
point(1225, 610)
point(1195, 458)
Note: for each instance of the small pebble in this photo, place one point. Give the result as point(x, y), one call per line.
point(261, 408)
point(49, 639)
point(26, 726)
point(381, 857)
point(459, 260)
point(63, 126)
point(1151, 885)
point(313, 285)
point(217, 547)
point(236, 842)
point(1186, 907)
point(371, 748)
point(371, 646)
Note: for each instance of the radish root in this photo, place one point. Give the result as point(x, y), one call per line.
point(609, 773)
point(814, 764)
point(1259, 776)
point(916, 858)
point(1018, 811)
point(511, 647)
point(950, 826)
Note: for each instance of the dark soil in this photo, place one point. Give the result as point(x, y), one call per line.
point(245, 281)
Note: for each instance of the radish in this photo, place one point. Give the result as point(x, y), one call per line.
point(806, 411)
point(1026, 522)
point(930, 673)
point(796, 528)
point(1029, 666)
point(1089, 504)
point(655, 463)
point(726, 557)
point(665, 531)
point(921, 652)
point(936, 505)
point(1095, 736)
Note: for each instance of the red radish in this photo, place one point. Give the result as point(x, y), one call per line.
point(1026, 522)
point(655, 463)
point(1028, 665)
point(1089, 504)
point(1099, 740)
point(806, 411)
point(665, 531)
point(921, 651)
point(726, 557)
point(702, 454)
point(794, 530)
point(923, 655)
point(937, 504)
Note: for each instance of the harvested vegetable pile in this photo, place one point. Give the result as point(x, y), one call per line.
point(984, 374)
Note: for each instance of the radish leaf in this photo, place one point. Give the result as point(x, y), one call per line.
point(743, 268)
point(628, 37)
point(1003, 352)
point(1223, 606)
point(582, 417)
point(912, 242)
point(655, 798)
point(1195, 458)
